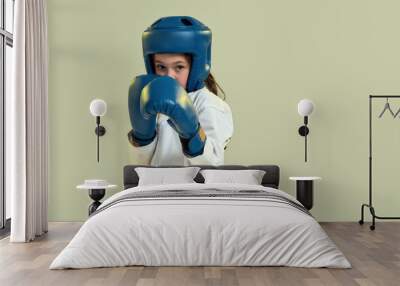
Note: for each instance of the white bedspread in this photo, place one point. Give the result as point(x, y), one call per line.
point(200, 231)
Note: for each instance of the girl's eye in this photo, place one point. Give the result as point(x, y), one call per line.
point(160, 67)
point(179, 68)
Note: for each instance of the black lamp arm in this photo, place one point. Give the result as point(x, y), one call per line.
point(303, 131)
point(100, 131)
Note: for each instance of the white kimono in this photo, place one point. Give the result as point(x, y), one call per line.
point(215, 118)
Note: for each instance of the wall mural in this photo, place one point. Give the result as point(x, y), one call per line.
point(176, 110)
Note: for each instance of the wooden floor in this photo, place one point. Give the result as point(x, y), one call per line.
point(374, 255)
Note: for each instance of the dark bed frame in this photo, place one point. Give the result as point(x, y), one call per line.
point(270, 179)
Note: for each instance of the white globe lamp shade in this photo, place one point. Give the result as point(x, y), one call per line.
point(305, 107)
point(98, 107)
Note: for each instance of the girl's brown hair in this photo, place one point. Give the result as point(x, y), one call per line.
point(213, 86)
point(210, 81)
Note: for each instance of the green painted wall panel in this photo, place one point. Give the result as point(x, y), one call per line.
point(267, 55)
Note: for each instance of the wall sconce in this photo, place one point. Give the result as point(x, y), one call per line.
point(98, 107)
point(305, 108)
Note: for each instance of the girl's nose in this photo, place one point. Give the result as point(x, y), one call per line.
point(171, 73)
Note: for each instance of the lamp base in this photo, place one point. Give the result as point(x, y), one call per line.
point(303, 130)
point(100, 130)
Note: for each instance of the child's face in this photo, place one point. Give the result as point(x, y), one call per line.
point(176, 66)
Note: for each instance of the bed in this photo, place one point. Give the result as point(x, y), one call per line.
point(201, 224)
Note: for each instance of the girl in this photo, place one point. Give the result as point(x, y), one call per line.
point(176, 116)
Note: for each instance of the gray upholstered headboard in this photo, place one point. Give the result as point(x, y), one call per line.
point(270, 179)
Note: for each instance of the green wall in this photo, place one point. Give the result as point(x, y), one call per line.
point(267, 55)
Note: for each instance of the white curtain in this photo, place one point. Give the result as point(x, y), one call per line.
point(27, 127)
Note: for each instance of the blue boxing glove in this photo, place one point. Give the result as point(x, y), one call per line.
point(143, 129)
point(165, 95)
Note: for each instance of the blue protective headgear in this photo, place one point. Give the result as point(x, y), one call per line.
point(180, 34)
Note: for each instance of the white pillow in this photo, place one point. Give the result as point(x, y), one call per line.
point(249, 177)
point(162, 176)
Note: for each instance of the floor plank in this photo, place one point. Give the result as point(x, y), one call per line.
point(374, 255)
